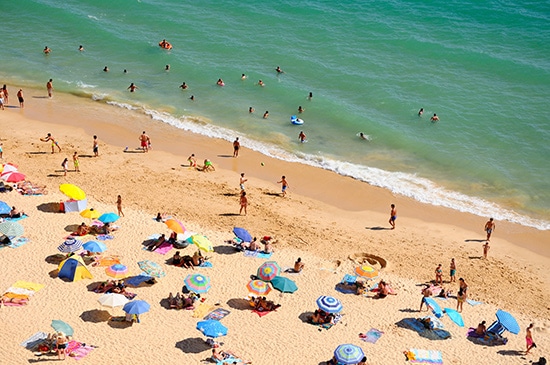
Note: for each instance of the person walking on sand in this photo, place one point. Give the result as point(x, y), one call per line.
point(426, 293)
point(21, 98)
point(244, 202)
point(486, 248)
point(119, 206)
point(49, 138)
point(284, 185)
point(489, 228)
point(463, 286)
point(49, 87)
point(439, 275)
point(453, 271)
point(242, 180)
point(460, 299)
point(393, 216)
point(76, 162)
point(236, 147)
point(65, 165)
point(529, 339)
point(145, 141)
point(95, 147)
point(1, 99)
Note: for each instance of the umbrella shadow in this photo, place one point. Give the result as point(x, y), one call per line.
point(119, 322)
point(225, 250)
point(434, 335)
point(95, 316)
point(93, 286)
point(55, 259)
point(239, 304)
point(165, 303)
point(272, 194)
point(305, 316)
point(192, 345)
point(378, 228)
point(49, 207)
point(511, 353)
point(71, 228)
point(53, 275)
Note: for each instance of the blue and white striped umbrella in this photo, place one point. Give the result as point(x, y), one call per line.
point(70, 245)
point(348, 354)
point(329, 304)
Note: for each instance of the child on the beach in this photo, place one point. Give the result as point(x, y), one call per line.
point(65, 165)
point(75, 162)
point(119, 206)
point(486, 248)
point(244, 202)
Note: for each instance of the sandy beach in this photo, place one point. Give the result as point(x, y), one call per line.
point(333, 223)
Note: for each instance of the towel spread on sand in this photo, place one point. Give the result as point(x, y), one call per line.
point(202, 310)
point(257, 254)
point(18, 242)
point(31, 342)
point(473, 302)
point(217, 314)
point(206, 264)
point(372, 336)
point(104, 237)
point(164, 248)
point(426, 356)
point(262, 313)
point(77, 351)
point(9, 219)
point(28, 285)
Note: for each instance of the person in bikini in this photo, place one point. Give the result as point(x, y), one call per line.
point(439, 275)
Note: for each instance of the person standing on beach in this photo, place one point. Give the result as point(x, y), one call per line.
point(244, 202)
point(76, 162)
point(393, 216)
point(6, 94)
point(192, 160)
point(1, 99)
point(463, 286)
point(96, 147)
point(21, 98)
point(426, 293)
point(242, 180)
point(49, 138)
point(1, 152)
point(236, 147)
point(49, 86)
point(486, 248)
point(119, 206)
point(439, 275)
point(489, 228)
point(284, 185)
point(453, 271)
point(145, 141)
point(460, 298)
point(529, 339)
point(65, 165)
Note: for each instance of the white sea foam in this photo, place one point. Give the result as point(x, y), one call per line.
point(84, 85)
point(406, 184)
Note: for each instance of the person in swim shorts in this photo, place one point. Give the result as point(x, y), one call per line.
point(145, 141)
point(489, 228)
point(76, 162)
point(20, 98)
point(236, 147)
point(284, 185)
point(242, 180)
point(95, 147)
point(453, 271)
point(529, 339)
point(393, 216)
point(49, 86)
point(49, 138)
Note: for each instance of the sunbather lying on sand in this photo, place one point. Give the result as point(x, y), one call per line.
point(5, 299)
point(218, 355)
point(384, 289)
point(321, 317)
point(28, 188)
point(82, 230)
point(156, 243)
point(261, 304)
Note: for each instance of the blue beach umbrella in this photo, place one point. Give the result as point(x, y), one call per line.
point(242, 234)
point(61, 326)
point(436, 309)
point(508, 321)
point(4, 208)
point(94, 246)
point(455, 316)
point(11, 229)
point(108, 218)
point(136, 307)
point(348, 354)
point(284, 285)
point(329, 304)
point(212, 328)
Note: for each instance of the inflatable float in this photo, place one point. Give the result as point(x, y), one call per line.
point(296, 121)
point(165, 45)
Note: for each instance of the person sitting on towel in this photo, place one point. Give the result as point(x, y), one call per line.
point(82, 230)
point(14, 213)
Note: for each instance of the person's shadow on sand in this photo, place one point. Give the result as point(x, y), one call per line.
point(378, 228)
point(473, 240)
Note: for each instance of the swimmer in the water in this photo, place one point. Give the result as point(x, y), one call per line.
point(362, 136)
point(183, 86)
point(105, 69)
point(279, 71)
point(420, 112)
point(435, 118)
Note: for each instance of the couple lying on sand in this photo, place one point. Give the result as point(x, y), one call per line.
point(189, 262)
point(267, 241)
point(261, 304)
point(83, 229)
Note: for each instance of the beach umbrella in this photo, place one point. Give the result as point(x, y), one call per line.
point(202, 242)
point(455, 316)
point(348, 354)
point(8, 168)
point(212, 328)
point(108, 218)
point(136, 307)
point(366, 271)
point(11, 229)
point(12, 176)
point(136, 280)
point(94, 246)
point(436, 309)
point(175, 225)
point(61, 326)
point(268, 270)
point(284, 285)
point(242, 234)
point(90, 213)
point(197, 283)
point(112, 300)
point(70, 245)
point(508, 321)
point(329, 304)
point(152, 268)
point(117, 271)
point(72, 191)
point(258, 287)
point(4, 208)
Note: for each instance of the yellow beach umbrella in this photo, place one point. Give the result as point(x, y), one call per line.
point(90, 213)
point(202, 242)
point(72, 191)
point(366, 271)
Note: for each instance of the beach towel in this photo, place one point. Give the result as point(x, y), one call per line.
point(473, 302)
point(33, 341)
point(16, 219)
point(164, 248)
point(217, 314)
point(344, 289)
point(349, 279)
point(372, 336)
point(104, 237)
point(257, 254)
point(202, 310)
point(136, 280)
point(18, 242)
point(426, 356)
point(77, 351)
point(106, 261)
point(21, 291)
point(413, 324)
point(490, 339)
point(28, 285)
point(206, 264)
point(262, 313)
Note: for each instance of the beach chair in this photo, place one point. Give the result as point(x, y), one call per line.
point(497, 328)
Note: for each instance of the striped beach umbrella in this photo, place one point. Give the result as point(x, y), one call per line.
point(70, 245)
point(366, 271)
point(348, 354)
point(151, 268)
point(197, 283)
point(117, 271)
point(11, 229)
point(268, 270)
point(175, 225)
point(258, 287)
point(329, 304)
point(13, 176)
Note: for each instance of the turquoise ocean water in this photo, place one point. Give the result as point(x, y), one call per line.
point(482, 66)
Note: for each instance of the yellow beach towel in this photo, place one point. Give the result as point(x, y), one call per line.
point(202, 310)
point(28, 285)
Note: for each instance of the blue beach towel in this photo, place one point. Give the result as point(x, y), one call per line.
point(104, 237)
point(18, 242)
point(16, 219)
point(257, 254)
point(349, 279)
point(206, 264)
point(372, 336)
point(473, 302)
point(426, 356)
point(31, 342)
